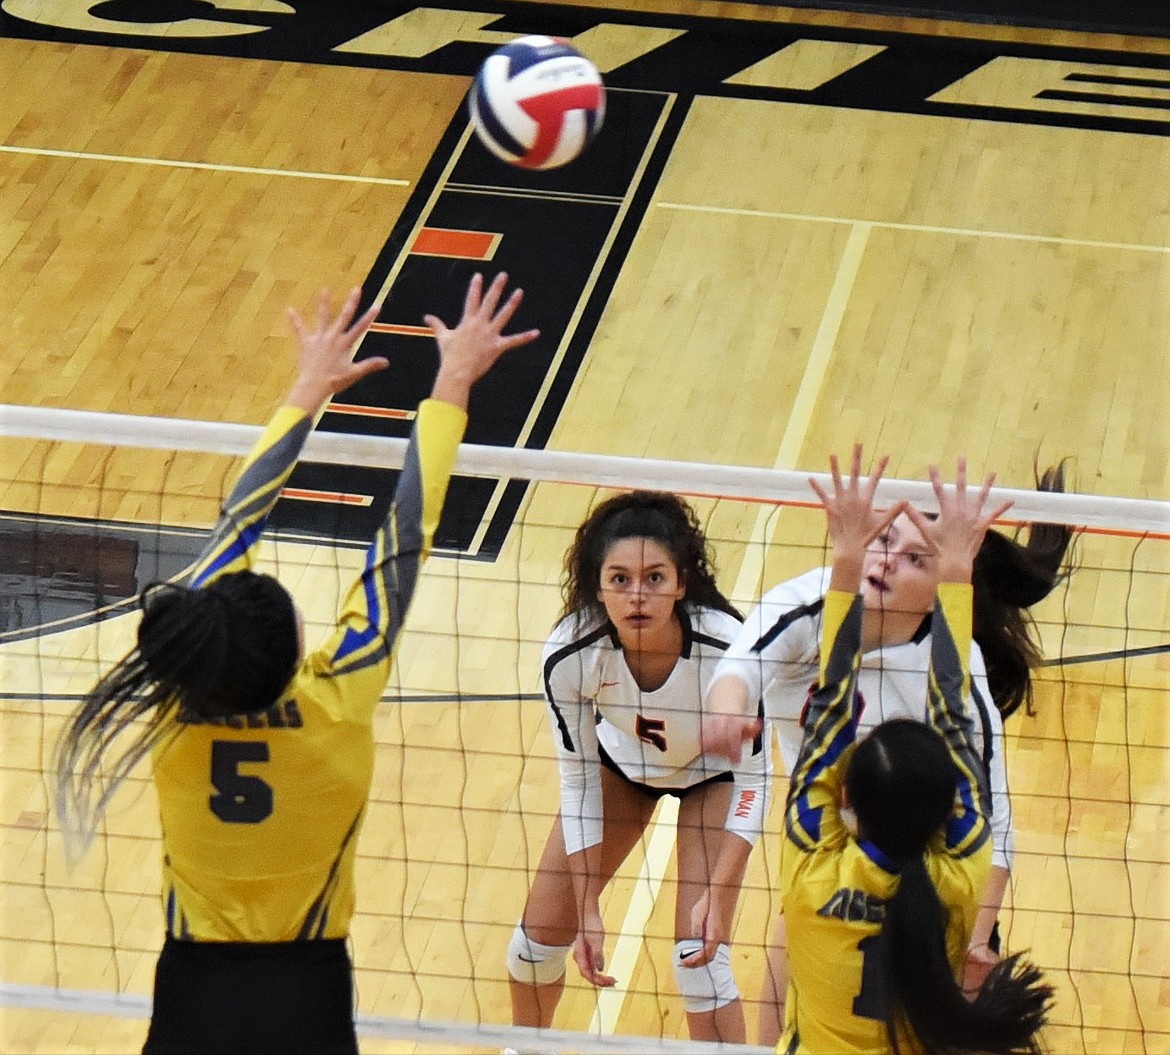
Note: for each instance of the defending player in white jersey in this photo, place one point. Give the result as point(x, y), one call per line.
point(625, 674)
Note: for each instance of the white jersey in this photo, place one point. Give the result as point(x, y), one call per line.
point(652, 737)
point(776, 654)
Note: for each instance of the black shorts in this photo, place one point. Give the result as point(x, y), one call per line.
point(215, 998)
point(656, 793)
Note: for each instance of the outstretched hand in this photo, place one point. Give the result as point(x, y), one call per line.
point(956, 534)
point(469, 350)
point(326, 350)
point(726, 735)
point(852, 519)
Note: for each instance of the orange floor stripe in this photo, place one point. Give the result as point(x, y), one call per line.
point(370, 412)
point(400, 329)
point(465, 245)
point(333, 497)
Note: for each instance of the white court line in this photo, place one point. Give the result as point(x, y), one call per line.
point(661, 835)
point(629, 944)
point(769, 214)
point(171, 163)
point(750, 579)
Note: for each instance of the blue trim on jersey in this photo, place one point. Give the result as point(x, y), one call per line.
point(177, 924)
point(370, 589)
point(810, 821)
point(830, 730)
point(355, 640)
point(967, 829)
point(879, 857)
point(810, 817)
point(959, 826)
point(244, 540)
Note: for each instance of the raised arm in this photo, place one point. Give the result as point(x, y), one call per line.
point(325, 366)
point(955, 536)
point(949, 688)
point(831, 723)
point(377, 603)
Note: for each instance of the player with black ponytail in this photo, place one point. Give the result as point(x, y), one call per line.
point(775, 657)
point(880, 910)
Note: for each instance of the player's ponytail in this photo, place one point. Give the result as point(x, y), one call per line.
point(657, 515)
point(901, 783)
point(125, 700)
point(1008, 578)
point(228, 648)
point(1004, 1018)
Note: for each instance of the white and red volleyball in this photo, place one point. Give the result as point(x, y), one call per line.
point(537, 102)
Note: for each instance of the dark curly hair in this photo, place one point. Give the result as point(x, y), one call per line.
point(657, 515)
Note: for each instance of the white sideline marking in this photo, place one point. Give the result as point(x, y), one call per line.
point(749, 582)
point(926, 228)
point(209, 166)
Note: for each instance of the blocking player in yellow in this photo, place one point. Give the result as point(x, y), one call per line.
point(262, 749)
point(887, 844)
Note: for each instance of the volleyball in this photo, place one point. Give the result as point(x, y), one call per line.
point(537, 102)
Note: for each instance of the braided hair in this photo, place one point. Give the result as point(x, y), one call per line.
point(230, 647)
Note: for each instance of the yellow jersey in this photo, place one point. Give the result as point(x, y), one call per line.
point(835, 886)
point(261, 812)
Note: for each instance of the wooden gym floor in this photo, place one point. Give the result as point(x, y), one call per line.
point(799, 229)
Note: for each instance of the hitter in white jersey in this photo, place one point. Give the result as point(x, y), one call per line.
point(625, 672)
point(776, 655)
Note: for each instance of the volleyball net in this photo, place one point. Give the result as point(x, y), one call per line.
point(465, 790)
